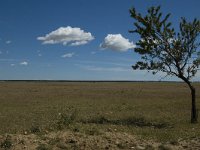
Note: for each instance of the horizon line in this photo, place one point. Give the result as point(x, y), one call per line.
point(48, 80)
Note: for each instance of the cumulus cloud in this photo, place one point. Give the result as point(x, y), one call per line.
point(79, 43)
point(24, 63)
point(67, 36)
point(117, 42)
point(68, 55)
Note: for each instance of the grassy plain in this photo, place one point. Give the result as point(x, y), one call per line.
point(149, 110)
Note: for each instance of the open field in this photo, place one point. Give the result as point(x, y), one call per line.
point(158, 111)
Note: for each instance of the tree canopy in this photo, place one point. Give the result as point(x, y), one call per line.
point(163, 49)
point(175, 53)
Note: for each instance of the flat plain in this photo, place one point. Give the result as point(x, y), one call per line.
point(148, 112)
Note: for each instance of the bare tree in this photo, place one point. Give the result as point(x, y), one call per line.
point(163, 49)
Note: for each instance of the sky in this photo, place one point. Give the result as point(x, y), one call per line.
point(77, 39)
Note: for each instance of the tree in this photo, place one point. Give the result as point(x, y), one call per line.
point(163, 49)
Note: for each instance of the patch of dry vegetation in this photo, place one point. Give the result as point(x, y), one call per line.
point(143, 115)
point(74, 140)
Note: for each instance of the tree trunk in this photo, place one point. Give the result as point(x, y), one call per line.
point(194, 114)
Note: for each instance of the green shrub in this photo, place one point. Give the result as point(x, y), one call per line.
point(65, 119)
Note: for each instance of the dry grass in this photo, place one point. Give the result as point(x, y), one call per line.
point(149, 110)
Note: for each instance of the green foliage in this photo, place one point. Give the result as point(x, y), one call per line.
point(65, 119)
point(163, 49)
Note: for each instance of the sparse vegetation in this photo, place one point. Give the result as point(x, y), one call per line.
point(43, 147)
point(164, 147)
point(130, 121)
point(65, 119)
point(99, 113)
point(35, 129)
point(6, 143)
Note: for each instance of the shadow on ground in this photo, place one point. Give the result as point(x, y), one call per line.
point(130, 121)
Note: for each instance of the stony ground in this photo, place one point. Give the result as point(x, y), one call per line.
point(75, 140)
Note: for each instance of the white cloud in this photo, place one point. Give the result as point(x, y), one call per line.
point(12, 65)
point(8, 42)
point(24, 63)
point(67, 36)
point(39, 55)
point(117, 42)
point(79, 43)
point(68, 55)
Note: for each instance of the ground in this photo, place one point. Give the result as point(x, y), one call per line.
point(97, 115)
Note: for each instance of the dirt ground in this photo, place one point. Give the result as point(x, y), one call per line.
point(74, 140)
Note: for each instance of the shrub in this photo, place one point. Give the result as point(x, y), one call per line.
point(7, 143)
point(43, 147)
point(65, 119)
point(35, 129)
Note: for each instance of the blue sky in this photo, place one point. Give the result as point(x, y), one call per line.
point(34, 45)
